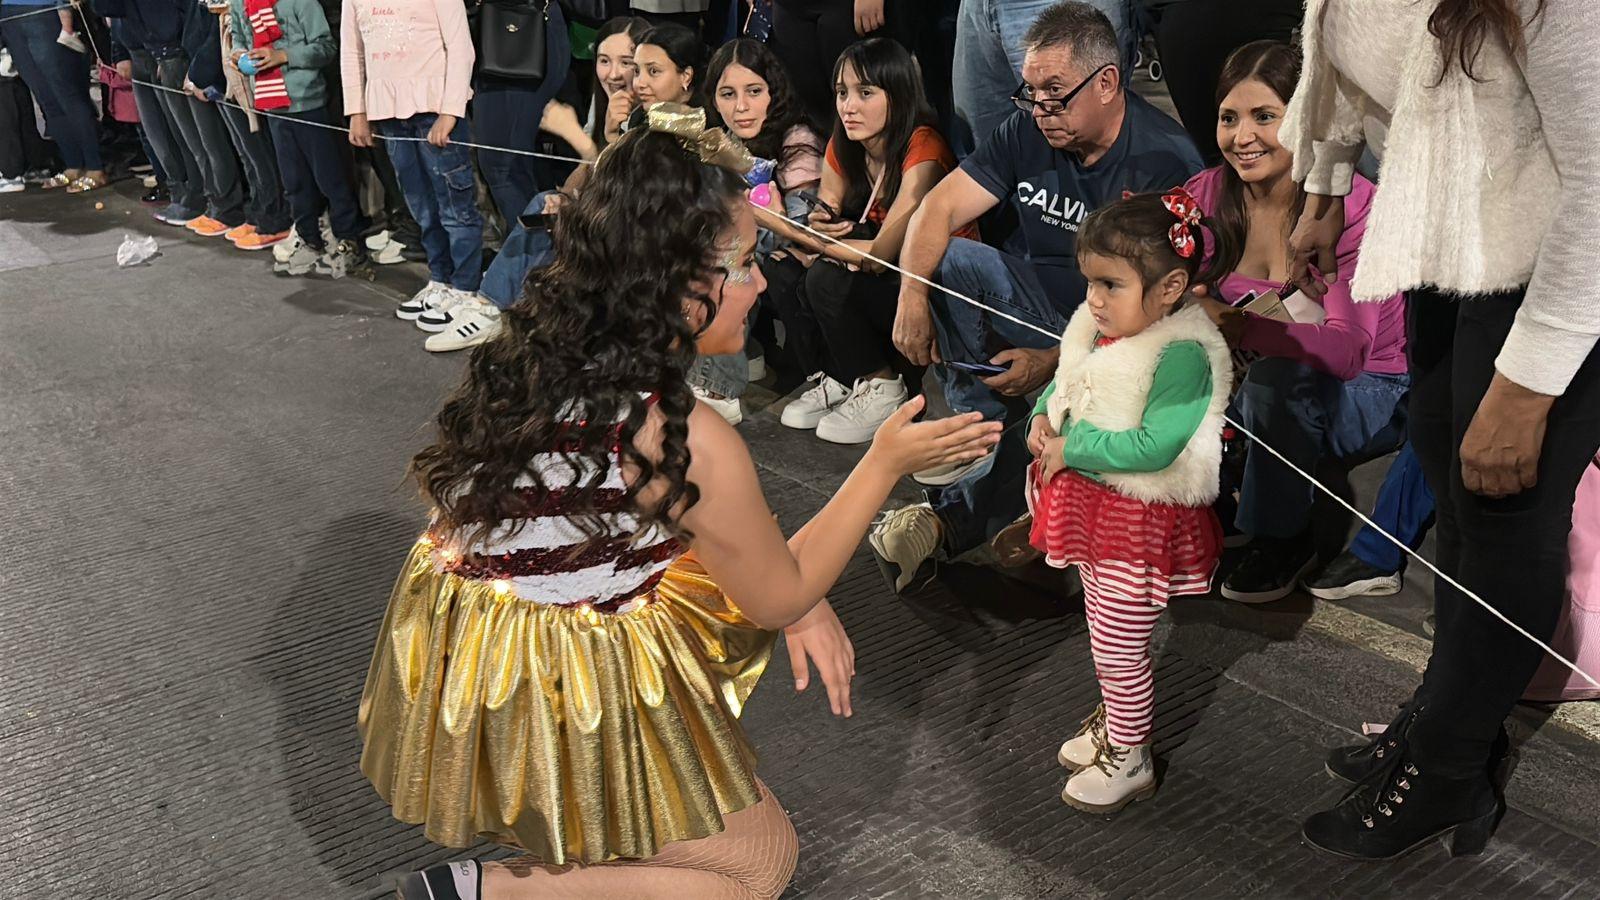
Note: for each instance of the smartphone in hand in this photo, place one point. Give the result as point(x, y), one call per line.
point(982, 370)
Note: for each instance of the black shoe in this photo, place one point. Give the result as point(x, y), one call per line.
point(448, 881)
point(1348, 576)
point(1357, 762)
point(1403, 806)
point(1270, 570)
point(156, 196)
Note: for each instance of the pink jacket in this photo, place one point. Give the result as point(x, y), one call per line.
point(399, 58)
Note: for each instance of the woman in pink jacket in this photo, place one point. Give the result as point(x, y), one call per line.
point(407, 67)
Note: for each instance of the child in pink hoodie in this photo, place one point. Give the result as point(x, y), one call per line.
point(407, 67)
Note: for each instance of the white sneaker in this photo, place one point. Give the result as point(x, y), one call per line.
point(302, 259)
point(1078, 753)
point(1115, 777)
point(12, 185)
point(441, 309)
point(474, 322)
point(72, 42)
point(758, 368)
point(285, 249)
point(903, 540)
point(420, 302)
point(726, 407)
point(949, 473)
point(384, 250)
point(150, 181)
point(856, 420)
point(806, 410)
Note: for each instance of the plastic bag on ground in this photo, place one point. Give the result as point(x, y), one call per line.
point(135, 250)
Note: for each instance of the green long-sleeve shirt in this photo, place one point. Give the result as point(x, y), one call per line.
point(307, 41)
point(1180, 394)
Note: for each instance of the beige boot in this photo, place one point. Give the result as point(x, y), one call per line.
point(1078, 753)
point(1118, 776)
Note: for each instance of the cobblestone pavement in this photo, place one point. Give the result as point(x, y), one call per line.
point(202, 486)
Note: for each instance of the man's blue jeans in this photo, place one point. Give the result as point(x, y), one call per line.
point(442, 193)
point(1308, 415)
point(988, 60)
point(974, 509)
point(59, 80)
point(524, 250)
point(1404, 509)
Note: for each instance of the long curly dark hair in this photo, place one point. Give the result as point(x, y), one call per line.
point(784, 109)
point(1462, 26)
point(601, 327)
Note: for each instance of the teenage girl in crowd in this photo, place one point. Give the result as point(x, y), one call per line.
point(883, 158)
point(583, 496)
point(750, 97)
point(1127, 469)
point(1330, 389)
point(614, 72)
point(407, 71)
point(669, 64)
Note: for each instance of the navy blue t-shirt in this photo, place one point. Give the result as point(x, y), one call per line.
point(1048, 192)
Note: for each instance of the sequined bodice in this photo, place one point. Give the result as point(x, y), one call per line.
point(546, 557)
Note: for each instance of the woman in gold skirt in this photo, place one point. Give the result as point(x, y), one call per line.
point(568, 649)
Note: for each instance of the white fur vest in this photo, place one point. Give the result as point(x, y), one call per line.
point(1108, 388)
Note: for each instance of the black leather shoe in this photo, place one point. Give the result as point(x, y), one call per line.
point(156, 196)
point(1402, 807)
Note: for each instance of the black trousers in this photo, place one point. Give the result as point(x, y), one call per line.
point(1512, 552)
point(1195, 37)
point(21, 147)
point(856, 313)
point(787, 301)
point(809, 35)
point(315, 177)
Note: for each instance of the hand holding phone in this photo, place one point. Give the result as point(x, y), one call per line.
point(980, 369)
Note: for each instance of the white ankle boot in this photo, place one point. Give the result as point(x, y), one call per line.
point(1117, 776)
point(1078, 753)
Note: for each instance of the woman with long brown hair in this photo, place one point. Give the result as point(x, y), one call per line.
point(1330, 385)
point(1483, 115)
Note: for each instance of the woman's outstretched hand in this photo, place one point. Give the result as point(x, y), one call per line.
point(907, 446)
point(820, 636)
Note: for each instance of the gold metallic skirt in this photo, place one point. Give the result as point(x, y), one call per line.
point(577, 735)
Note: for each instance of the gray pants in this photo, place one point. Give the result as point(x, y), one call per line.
point(202, 129)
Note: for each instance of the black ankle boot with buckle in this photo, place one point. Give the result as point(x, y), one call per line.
point(1404, 805)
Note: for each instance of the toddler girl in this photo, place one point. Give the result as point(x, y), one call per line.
point(1129, 440)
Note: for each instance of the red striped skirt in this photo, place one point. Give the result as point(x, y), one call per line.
point(1077, 520)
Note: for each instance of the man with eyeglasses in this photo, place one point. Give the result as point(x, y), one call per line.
point(1076, 142)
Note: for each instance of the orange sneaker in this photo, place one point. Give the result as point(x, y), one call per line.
point(234, 234)
point(257, 240)
point(205, 226)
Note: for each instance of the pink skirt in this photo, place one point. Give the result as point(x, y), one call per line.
point(1077, 520)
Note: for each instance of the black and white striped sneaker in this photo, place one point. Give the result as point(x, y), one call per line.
point(420, 302)
point(461, 880)
point(472, 322)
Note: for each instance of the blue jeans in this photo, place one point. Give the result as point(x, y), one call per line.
point(506, 114)
point(988, 59)
point(59, 79)
point(183, 173)
point(969, 334)
point(1404, 509)
point(975, 508)
point(442, 194)
point(524, 250)
point(1308, 415)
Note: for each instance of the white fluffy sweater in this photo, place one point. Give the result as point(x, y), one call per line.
point(1485, 186)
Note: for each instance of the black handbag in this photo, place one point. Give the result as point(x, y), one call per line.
point(509, 36)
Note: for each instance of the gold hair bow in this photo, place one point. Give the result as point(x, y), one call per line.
point(712, 145)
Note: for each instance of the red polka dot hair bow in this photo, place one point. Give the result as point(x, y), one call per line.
point(1182, 204)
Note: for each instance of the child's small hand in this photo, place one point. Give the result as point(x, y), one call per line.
point(1052, 456)
point(1039, 431)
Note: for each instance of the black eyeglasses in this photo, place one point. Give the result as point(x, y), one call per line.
point(1051, 105)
